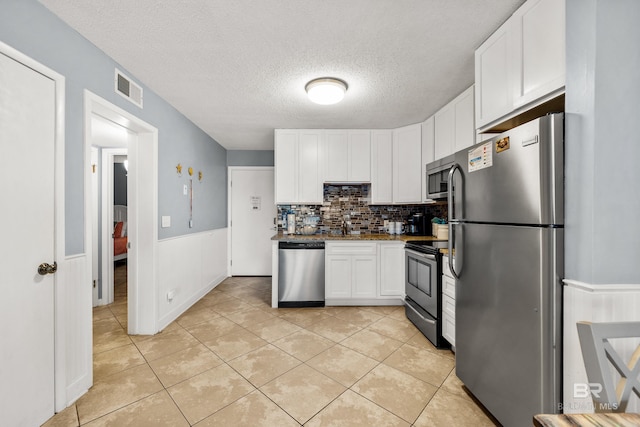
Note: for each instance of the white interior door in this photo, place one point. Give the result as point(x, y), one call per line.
point(27, 138)
point(253, 212)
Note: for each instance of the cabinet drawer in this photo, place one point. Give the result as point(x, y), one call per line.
point(351, 248)
point(449, 328)
point(449, 306)
point(449, 286)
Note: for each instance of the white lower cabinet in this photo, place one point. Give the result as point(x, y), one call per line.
point(391, 269)
point(350, 270)
point(364, 273)
point(448, 303)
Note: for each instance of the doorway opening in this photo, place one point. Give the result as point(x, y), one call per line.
point(138, 141)
point(109, 208)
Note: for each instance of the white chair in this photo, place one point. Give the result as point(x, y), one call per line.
point(598, 352)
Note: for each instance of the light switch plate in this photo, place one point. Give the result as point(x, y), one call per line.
point(185, 190)
point(166, 221)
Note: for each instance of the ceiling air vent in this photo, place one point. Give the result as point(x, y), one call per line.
point(128, 89)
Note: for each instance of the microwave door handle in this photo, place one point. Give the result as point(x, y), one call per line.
point(452, 220)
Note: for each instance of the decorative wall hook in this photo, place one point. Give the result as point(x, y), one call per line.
point(200, 176)
point(179, 169)
point(190, 171)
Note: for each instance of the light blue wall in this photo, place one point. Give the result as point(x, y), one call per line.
point(602, 145)
point(250, 157)
point(29, 27)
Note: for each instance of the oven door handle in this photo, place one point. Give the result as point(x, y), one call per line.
point(433, 322)
point(420, 254)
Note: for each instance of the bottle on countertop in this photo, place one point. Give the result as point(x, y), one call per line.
point(291, 223)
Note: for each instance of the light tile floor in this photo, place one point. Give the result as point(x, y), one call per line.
point(231, 359)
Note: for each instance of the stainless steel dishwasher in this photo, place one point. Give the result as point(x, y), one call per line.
point(301, 274)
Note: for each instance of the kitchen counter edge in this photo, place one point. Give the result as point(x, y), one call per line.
point(351, 237)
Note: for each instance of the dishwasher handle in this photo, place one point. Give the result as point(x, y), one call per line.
point(301, 245)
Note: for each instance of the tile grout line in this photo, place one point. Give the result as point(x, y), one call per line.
point(271, 342)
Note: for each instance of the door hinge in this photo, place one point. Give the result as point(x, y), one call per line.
point(94, 283)
point(230, 262)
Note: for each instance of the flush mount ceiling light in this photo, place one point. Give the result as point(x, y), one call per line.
point(326, 90)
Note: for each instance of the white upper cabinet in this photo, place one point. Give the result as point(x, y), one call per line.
point(454, 125)
point(407, 164)
point(286, 165)
point(336, 156)
point(493, 91)
point(297, 167)
point(444, 131)
point(347, 155)
point(521, 65)
point(359, 155)
point(428, 153)
point(382, 166)
point(464, 120)
point(309, 174)
point(539, 50)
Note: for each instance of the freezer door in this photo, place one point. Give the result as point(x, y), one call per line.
point(514, 178)
point(508, 324)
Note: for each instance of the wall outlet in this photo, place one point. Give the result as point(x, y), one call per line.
point(166, 221)
point(185, 190)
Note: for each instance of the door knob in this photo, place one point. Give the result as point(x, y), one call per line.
point(44, 268)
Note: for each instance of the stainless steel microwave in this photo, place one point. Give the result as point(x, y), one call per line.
point(437, 177)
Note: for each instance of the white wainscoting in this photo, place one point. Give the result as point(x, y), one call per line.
point(594, 303)
point(189, 267)
point(74, 364)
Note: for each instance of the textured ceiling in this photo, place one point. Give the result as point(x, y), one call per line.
point(237, 69)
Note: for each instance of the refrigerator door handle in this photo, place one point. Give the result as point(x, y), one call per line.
point(450, 201)
point(452, 220)
point(451, 251)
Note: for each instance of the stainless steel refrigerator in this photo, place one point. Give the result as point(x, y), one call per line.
point(506, 230)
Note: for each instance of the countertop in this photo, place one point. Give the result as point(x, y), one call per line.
point(356, 237)
point(585, 420)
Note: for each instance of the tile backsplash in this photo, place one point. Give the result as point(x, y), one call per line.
point(351, 203)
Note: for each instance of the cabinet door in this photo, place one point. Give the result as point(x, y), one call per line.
point(338, 276)
point(309, 177)
point(407, 164)
point(359, 155)
point(336, 156)
point(493, 97)
point(444, 131)
point(465, 130)
point(382, 167)
point(392, 269)
point(364, 276)
point(286, 171)
point(539, 49)
point(449, 319)
point(427, 153)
